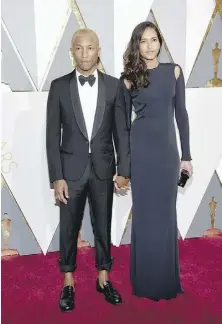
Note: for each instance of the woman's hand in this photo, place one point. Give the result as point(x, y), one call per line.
point(187, 165)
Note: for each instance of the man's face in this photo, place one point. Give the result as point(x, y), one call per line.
point(85, 50)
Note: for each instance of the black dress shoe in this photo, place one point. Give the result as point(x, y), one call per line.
point(66, 302)
point(111, 295)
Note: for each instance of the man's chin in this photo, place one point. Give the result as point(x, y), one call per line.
point(86, 67)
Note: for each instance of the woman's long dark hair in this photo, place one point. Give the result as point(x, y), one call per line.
point(135, 69)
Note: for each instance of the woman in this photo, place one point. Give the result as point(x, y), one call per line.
point(156, 90)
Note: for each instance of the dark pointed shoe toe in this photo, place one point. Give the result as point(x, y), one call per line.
point(111, 295)
point(67, 299)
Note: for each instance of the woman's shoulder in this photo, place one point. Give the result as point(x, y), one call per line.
point(174, 68)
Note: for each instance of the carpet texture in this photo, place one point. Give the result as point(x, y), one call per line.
point(31, 286)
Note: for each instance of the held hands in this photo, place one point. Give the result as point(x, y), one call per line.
point(187, 165)
point(61, 191)
point(120, 182)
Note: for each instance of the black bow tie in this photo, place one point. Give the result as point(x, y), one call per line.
point(91, 79)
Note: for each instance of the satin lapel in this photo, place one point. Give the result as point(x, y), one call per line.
point(101, 104)
point(76, 105)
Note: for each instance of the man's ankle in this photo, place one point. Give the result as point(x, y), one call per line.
point(103, 276)
point(68, 280)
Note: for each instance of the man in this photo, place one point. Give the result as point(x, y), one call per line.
point(84, 105)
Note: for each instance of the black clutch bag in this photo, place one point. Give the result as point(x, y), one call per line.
point(184, 176)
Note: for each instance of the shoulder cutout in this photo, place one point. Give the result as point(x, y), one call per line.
point(177, 71)
point(127, 83)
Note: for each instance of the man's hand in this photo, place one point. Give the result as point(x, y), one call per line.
point(61, 191)
point(120, 182)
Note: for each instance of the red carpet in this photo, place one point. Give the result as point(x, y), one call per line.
point(31, 287)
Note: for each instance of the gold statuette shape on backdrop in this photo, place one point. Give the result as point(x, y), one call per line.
point(6, 229)
point(219, 7)
point(213, 231)
point(215, 82)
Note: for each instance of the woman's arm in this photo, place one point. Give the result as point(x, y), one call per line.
point(181, 115)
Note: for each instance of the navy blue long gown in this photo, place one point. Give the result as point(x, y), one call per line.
point(155, 167)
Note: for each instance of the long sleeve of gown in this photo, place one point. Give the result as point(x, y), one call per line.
point(182, 118)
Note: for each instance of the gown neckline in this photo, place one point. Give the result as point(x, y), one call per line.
point(155, 68)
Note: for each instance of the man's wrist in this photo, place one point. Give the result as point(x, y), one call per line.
point(57, 180)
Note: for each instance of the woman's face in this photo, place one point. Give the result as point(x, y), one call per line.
point(149, 44)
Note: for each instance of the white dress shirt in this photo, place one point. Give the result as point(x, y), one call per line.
point(88, 98)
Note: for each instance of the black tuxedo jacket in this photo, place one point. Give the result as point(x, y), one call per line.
point(67, 141)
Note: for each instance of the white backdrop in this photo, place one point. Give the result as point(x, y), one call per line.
point(23, 131)
point(219, 170)
point(23, 114)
